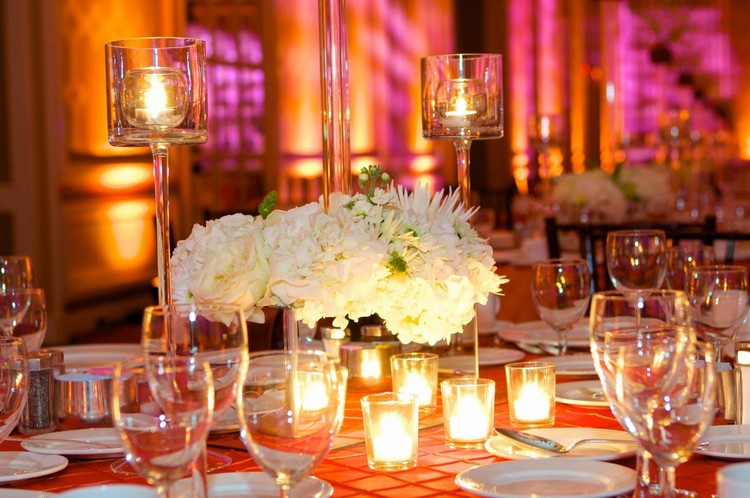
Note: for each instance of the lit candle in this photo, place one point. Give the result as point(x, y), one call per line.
point(154, 97)
point(532, 404)
point(371, 367)
point(544, 127)
point(470, 422)
point(418, 385)
point(314, 396)
point(392, 442)
point(461, 101)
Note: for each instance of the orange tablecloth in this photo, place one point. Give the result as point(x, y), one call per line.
point(345, 467)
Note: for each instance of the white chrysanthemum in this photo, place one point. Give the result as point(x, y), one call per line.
point(224, 262)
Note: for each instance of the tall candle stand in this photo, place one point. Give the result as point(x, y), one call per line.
point(156, 97)
point(462, 100)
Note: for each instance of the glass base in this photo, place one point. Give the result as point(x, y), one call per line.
point(214, 462)
point(391, 466)
point(464, 445)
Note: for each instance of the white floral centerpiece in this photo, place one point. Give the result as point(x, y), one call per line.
point(592, 193)
point(411, 258)
point(647, 187)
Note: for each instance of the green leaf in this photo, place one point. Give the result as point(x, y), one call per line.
point(397, 264)
point(268, 204)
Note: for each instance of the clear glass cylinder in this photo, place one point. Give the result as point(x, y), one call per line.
point(416, 373)
point(531, 394)
point(468, 411)
point(391, 423)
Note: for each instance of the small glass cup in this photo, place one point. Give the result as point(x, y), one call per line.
point(391, 422)
point(416, 373)
point(468, 411)
point(531, 394)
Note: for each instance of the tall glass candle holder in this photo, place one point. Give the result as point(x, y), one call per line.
point(462, 100)
point(156, 97)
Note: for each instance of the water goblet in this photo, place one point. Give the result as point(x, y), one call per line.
point(719, 298)
point(162, 412)
point(675, 422)
point(14, 302)
point(32, 326)
point(638, 343)
point(681, 260)
point(15, 272)
point(636, 259)
point(561, 290)
point(289, 407)
point(14, 383)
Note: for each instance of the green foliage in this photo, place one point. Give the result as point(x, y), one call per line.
point(268, 204)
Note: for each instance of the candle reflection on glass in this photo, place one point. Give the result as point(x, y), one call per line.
point(391, 426)
point(416, 373)
point(468, 411)
point(460, 101)
point(531, 393)
point(154, 97)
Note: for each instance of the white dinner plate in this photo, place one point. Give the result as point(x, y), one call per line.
point(85, 356)
point(574, 364)
point(76, 443)
point(538, 332)
point(27, 493)
point(494, 328)
point(560, 478)
point(507, 448)
point(487, 357)
point(20, 465)
point(113, 490)
point(731, 442)
point(227, 423)
point(255, 484)
point(581, 393)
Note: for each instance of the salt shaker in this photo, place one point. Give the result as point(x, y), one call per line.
point(39, 415)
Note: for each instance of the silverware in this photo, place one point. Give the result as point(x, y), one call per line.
point(544, 443)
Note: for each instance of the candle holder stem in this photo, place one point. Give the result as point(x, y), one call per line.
point(160, 152)
point(463, 162)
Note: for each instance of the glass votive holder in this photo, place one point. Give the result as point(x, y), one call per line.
point(531, 394)
point(416, 373)
point(468, 411)
point(391, 423)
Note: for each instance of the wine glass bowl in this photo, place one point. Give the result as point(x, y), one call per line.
point(289, 407)
point(14, 382)
point(32, 326)
point(164, 426)
point(636, 259)
point(14, 302)
point(15, 272)
point(681, 260)
point(561, 290)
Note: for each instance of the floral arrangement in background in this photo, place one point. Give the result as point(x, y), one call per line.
point(411, 258)
point(630, 192)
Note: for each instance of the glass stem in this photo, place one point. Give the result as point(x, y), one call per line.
point(667, 484)
point(285, 490)
point(562, 340)
point(199, 475)
point(643, 483)
point(160, 153)
point(291, 332)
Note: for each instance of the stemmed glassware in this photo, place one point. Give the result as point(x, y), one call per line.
point(682, 260)
point(162, 412)
point(719, 298)
point(639, 344)
point(156, 96)
point(15, 272)
point(561, 290)
point(289, 407)
point(462, 100)
point(32, 326)
point(13, 306)
point(545, 133)
point(636, 259)
point(14, 383)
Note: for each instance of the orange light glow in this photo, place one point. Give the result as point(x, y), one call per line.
point(129, 231)
point(521, 172)
point(423, 164)
point(306, 168)
point(120, 177)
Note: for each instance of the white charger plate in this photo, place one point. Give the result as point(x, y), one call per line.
point(574, 364)
point(730, 442)
point(84, 356)
point(118, 490)
point(507, 448)
point(581, 393)
point(560, 478)
point(538, 332)
point(21, 465)
point(255, 484)
point(76, 443)
point(487, 357)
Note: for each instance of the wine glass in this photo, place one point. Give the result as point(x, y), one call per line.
point(289, 407)
point(156, 96)
point(32, 326)
point(636, 259)
point(681, 260)
point(14, 383)
point(162, 412)
point(637, 343)
point(462, 100)
point(561, 290)
point(13, 305)
point(15, 272)
point(719, 298)
point(675, 422)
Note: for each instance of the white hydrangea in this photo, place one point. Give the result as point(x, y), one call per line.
point(593, 190)
point(649, 186)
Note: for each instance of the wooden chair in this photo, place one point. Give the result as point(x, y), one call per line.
point(592, 239)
